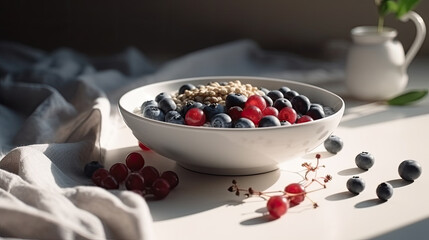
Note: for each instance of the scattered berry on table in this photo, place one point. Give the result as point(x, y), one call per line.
point(355, 185)
point(171, 177)
point(150, 174)
point(119, 171)
point(364, 160)
point(409, 170)
point(90, 168)
point(99, 175)
point(277, 206)
point(135, 181)
point(109, 182)
point(384, 191)
point(143, 147)
point(134, 161)
point(160, 188)
point(333, 144)
point(298, 189)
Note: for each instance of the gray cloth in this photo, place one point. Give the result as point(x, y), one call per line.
point(57, 111)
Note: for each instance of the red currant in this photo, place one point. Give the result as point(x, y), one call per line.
point(119, 171)
point(134, 182)
point(252, 113)
point(160, 188)
point(143, 147)
point(171, 178)
point(304, 118)
point(109, 182)
point(99, 175)
point(134, 161)
point(277, 206)
point(288, 114)
point(295, 188)
point(195, 117)
point(235, 112)
point(150, 174)
point(270, 111)
point(257, 101)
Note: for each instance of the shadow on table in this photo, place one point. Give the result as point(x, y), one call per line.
point(417, 230)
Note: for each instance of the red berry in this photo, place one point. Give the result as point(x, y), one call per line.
point(257, 101)
point(143, 147)
point(134, 182)
point(270, 111)
point(304, 118)
point(134, 161)
point(109, 182)
point(295, 188)
point(99, 175)
point(235, 112)
point(253, 113)
point(195, 117)
point(171, 178)
point(160, 188)
point(139, 192)
point(119, 171)
point(288, 114)
point(150, 174)
point(277, 206)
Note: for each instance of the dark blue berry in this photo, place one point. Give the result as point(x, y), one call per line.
point(281, 103)
point(291, 94)
point(333, 144)
point(355, 185)
point(264, 90)
point(148, 103)
point(213, 109)
point(316, 105)
point(284, 90)
point(167, 104)
point(90, 168)
point(328, 111)
point(269, 121)
point(364, 160)
point(409, 170)
point(153, 112)
point(275, 94)
point(174, 117)
point(161, 96)
point(268, 100)
point(235, 99)
point(187, 86)
point(384, 191)
point(285, 123)
point(301, 104)
point(221, 120)
point(244, 123)
point(316, 113)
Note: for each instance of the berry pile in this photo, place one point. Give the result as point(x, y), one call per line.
point(264, 108)
point(134, 176)
point(278, 202)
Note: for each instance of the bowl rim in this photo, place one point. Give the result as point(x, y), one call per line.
point(123, 110)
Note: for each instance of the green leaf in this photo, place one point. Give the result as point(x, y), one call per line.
point(387, 6)
point(408, 97)
point(404, 6)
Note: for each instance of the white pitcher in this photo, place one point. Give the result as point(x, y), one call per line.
point(376, 67)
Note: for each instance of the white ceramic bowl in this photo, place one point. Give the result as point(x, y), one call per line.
point(230, 151)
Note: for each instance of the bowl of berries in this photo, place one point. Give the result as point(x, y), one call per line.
point(231, 125)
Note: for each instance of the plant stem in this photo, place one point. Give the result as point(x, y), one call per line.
point(380, 24)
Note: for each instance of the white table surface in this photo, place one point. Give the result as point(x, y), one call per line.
point(202, 208)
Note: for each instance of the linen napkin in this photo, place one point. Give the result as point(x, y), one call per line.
point(58, 111)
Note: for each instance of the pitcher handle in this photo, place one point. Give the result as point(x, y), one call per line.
point(420, 36)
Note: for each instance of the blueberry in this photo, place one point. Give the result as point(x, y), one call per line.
point(221, 120)
point(316, 113)
point(328, 111)
point(153, 112)
point(244, 123)
point(185, 87)
point(90, 168)
point(167, 104)
point(285, 123)
point(355, 185)
point(281, 103)
point(161, 96)
point(409, 170)
point(333, 144)
point(264, 90)
point(284, 90)
point(384, 191)
point(235, 99)
point(316, 105)
point(275, 94)
point(213, 109)
point(174, 117)
point(269, 121)
point(301, 104)
point(291, 94)
point(268, 100)
point(148, 103)
point(364, 160)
